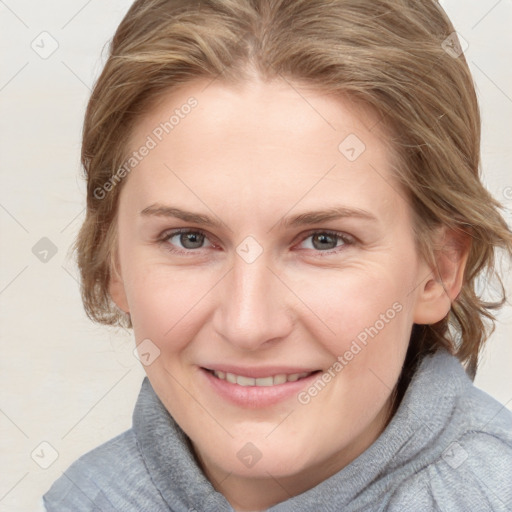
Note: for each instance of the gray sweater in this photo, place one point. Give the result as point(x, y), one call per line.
point(448, 448)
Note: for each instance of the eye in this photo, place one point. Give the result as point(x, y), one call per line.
point(326, 241)
point(184, 240)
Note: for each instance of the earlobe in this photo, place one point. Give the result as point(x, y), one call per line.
point(443, 284)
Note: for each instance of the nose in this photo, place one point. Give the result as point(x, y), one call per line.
point(252, 310)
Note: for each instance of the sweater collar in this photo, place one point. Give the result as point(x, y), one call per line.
point(420, 429)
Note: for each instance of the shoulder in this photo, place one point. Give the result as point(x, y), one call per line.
point(474, 469)
point(103, 478)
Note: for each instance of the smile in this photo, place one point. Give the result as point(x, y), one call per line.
point(255, 388)
point(272, 380)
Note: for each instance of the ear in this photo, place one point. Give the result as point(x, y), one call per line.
point(443, 285)
point(116, 286)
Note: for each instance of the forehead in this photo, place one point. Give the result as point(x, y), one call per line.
point(258, 145)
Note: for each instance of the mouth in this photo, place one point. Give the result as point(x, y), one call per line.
point(271, 380)
point(265, 388)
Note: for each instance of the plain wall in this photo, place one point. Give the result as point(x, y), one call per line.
point(64, 380)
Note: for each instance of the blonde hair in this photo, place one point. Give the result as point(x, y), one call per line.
point(389, 54)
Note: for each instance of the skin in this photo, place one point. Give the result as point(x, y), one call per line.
point(250, 156)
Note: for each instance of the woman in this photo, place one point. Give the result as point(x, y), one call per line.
point(284, 204)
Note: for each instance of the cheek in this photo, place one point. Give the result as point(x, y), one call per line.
point(167, 306)
point(360, 304)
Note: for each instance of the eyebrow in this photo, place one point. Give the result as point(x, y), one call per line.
point(302, 219)
point(159, 210)
point(333, 213)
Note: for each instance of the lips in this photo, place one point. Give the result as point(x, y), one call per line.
point(270, 380)
point(256, 388)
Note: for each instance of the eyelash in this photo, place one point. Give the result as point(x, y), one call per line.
point(167, 235)
point(343, 237)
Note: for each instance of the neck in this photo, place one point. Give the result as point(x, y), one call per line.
point(255, 494)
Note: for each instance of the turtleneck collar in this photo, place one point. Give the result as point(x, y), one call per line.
point(415, 437)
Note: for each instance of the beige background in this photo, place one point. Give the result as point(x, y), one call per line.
point(65, 381)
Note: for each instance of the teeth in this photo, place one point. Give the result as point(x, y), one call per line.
point(275, 380)
point(279, 379)
point(245, 381)
point(265, 381)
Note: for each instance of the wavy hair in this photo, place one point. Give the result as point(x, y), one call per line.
point(399, 57)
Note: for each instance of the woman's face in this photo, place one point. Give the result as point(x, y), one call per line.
point(294, 255)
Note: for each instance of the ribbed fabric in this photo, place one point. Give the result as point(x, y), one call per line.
point(448, 448)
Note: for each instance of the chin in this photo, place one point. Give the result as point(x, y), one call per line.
point(262, 459)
